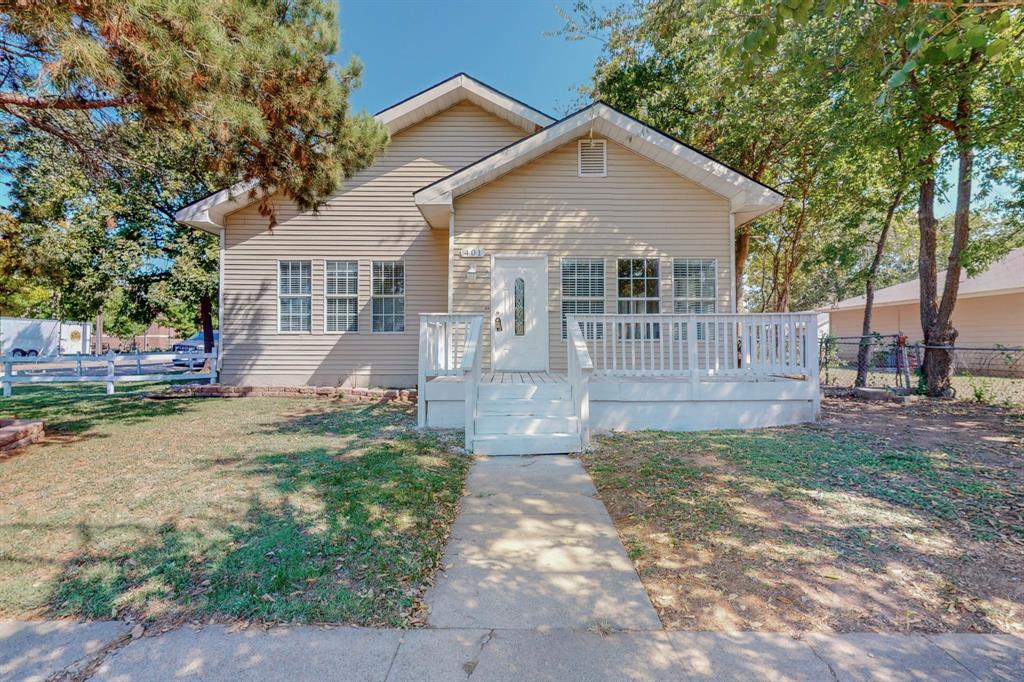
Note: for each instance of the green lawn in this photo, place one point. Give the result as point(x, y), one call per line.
point(301, 509)
point(857, 523)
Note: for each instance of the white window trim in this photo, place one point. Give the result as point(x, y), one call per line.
point(657, 297)
point(277, 278)
point(604, 157)
point(561, 286)
point(713, 299)
point(330, 296)
point(405, 288)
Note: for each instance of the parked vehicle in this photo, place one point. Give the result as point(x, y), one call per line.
point(193, 344)
point(24, 337)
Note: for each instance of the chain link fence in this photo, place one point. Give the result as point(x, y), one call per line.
point(986, 374)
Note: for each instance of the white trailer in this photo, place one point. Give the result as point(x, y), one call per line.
point(21, 336)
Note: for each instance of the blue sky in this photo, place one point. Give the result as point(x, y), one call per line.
point(408, 45)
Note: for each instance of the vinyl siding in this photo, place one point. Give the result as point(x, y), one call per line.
point(980, 320)
point(372, 217)
point(544, 207)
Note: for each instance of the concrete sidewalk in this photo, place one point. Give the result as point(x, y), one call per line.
point(35, 651)
point(534, 547)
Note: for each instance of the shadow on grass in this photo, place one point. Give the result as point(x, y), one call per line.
point(850, 531)
point(70, 410)
point(348, 524)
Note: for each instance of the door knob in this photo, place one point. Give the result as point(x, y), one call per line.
point(497, 323)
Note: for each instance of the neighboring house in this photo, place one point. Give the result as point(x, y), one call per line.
point(989, 313)
point(155, 338)
point(473, 241)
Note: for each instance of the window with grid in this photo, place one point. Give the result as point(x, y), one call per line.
point(341, 296)
point(583, 292)
point(294, 292)
point(388, 296)
point(638, 294)
point(694, 288)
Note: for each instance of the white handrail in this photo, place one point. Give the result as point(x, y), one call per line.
point(471, 376)
point(580, 368)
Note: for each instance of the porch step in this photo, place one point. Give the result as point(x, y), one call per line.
point(524, 392)
point(514, 426)
point(546, 444)
point(525, 419)
point(525, 407)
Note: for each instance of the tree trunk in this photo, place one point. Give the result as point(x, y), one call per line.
point(864, 351)
point(742, 252)
point(936, 315)
point(206, 321)
point(97, 341)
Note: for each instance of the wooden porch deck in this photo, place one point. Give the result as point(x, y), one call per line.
point(528, 378)
point(538, 378)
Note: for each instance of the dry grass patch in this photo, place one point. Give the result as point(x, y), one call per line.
point(882, 518)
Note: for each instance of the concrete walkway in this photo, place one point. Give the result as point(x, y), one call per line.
point(533, 547)
point(537, 586)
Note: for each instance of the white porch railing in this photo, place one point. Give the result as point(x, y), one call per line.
point(734, 345)
point(443, 343)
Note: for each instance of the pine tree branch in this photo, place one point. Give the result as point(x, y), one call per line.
point(62, 103)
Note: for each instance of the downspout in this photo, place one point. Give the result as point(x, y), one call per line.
point(451, 258)
point(732, 261)
point(220, 305)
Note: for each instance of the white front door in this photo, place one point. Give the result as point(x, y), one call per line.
point(519, 314)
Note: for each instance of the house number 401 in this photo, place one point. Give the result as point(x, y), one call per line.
point(473, 253)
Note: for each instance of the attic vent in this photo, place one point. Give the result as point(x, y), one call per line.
point(593, 158)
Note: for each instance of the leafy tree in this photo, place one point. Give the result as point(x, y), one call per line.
point(116, 236)
point(193, 278)
point(950, 76)
point(72, 240)
point(252, 79)
point(120, 319)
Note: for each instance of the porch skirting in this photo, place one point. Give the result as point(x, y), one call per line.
point(669, 404)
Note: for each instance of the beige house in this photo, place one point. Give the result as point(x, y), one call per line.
point(989, 312)
point(491, 245)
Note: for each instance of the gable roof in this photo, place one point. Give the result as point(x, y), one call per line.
point(459, 88)
point(1005, 276)
point(747, 197)
point(208, 213)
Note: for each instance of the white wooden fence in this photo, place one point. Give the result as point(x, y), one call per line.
point(60, 369)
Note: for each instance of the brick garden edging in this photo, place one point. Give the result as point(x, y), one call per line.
point(369, 395)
